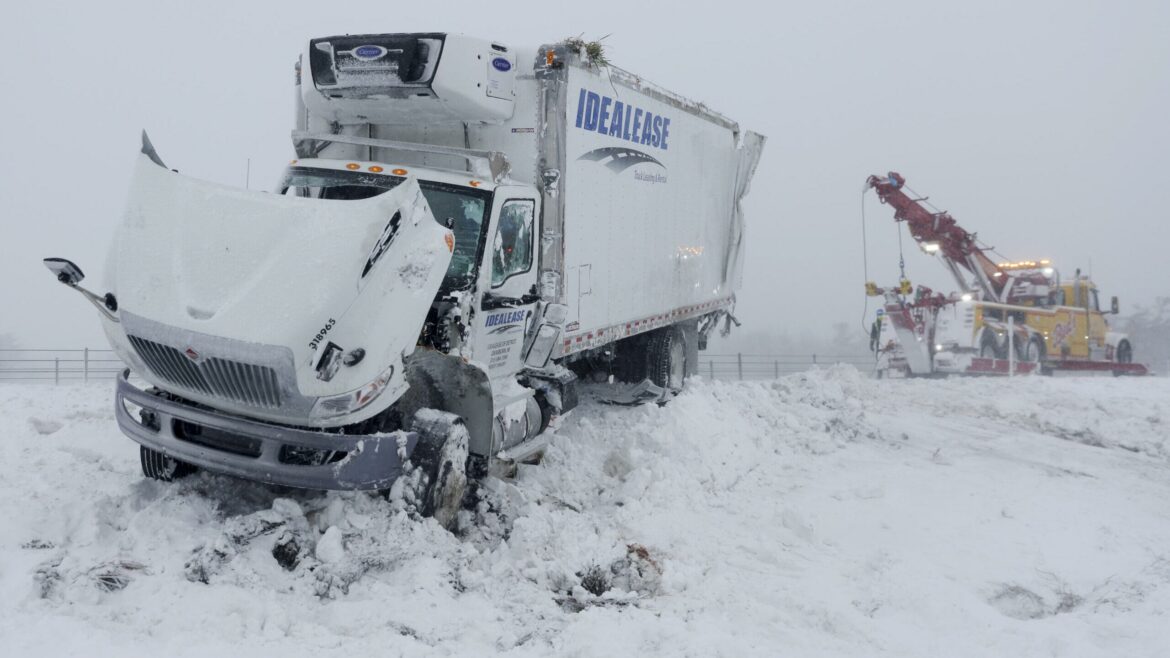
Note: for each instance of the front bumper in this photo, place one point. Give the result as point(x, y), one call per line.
point(260, 451)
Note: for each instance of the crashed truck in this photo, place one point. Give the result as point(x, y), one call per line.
point(467, 231)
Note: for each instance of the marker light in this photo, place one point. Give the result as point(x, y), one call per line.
point(352, 166)
point(474, 183)
point(376, 169)
point(450, 239)
point(399, 172)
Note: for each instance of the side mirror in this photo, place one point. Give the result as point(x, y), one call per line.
point(1114, 306)
point(66, 271)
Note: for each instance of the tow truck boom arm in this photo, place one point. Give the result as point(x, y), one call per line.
point(956, 246)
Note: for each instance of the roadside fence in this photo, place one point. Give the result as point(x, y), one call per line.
point(86, 365)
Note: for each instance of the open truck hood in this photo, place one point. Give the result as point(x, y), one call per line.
point(195, 263)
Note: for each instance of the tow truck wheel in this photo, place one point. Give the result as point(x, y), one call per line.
point(441, 454)
point(1033, 351)
point(1124, 352)
point(157, 466)
point(989, 346)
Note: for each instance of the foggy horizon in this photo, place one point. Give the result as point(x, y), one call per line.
point(1042, 128)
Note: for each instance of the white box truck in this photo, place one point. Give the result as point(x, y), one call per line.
point(467, 230)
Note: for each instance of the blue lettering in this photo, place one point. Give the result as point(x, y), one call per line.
point(605, 115)
point(615, 127)
point(580, 107)
point(601, 127)
point(592, 105)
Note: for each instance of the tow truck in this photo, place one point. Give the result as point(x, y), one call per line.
point(1006, 318)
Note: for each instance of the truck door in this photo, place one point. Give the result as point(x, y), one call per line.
point(509, 300)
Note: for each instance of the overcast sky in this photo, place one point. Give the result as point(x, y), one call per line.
point(1043, 126)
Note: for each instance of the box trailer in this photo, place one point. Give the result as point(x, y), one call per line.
point(467, 230)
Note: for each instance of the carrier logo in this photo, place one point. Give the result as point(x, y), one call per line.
point(506, 318)
point(602, 114)
point(191, 354)
point(502, 65)
point(369, 53)
point(384, 242)
point(620, 158)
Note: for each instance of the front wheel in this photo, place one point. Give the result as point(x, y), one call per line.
point(157, 466)
point(441, 457)
point(1124, 352)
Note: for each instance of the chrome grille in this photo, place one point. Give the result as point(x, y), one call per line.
point(249, 384)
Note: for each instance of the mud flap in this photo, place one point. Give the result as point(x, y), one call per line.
point(633, 394)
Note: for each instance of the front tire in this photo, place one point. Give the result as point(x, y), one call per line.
point(157, 466)
point(441, 454)
point(1124, 352)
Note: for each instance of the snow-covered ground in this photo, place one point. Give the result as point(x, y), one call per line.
point(824, 514)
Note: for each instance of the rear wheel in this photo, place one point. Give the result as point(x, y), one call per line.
point(441, 457)
point(667, 359)
point(157, 466)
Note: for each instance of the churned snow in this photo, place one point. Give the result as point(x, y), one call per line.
point(824, 514)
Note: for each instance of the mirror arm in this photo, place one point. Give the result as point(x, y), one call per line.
point(108, 304)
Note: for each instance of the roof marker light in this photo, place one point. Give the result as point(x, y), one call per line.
point(376, 169)
point(352, 166)
point(399, 172)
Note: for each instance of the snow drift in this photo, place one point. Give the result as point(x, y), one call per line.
point(821, 514)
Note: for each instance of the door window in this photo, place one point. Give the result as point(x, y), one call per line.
point(512, 247)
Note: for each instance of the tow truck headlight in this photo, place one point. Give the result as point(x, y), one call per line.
point(346, 403)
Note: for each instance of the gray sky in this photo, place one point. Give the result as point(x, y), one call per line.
point(1043, 126)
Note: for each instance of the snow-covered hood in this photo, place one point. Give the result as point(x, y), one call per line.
point(281, 271)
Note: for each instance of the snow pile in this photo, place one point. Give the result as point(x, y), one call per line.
point(821, 514)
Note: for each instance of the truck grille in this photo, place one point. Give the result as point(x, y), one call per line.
point(245, 383)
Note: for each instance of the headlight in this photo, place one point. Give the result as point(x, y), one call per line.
point(339, 405)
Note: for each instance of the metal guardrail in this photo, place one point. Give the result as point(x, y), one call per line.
point(87, 365)
point(741, 366)
point(58, 366)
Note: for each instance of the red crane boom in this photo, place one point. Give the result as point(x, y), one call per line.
point(939, 232)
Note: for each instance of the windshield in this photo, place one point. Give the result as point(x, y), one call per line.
point(464, 210)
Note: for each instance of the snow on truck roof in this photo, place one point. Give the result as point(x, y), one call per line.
point(460, 178)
